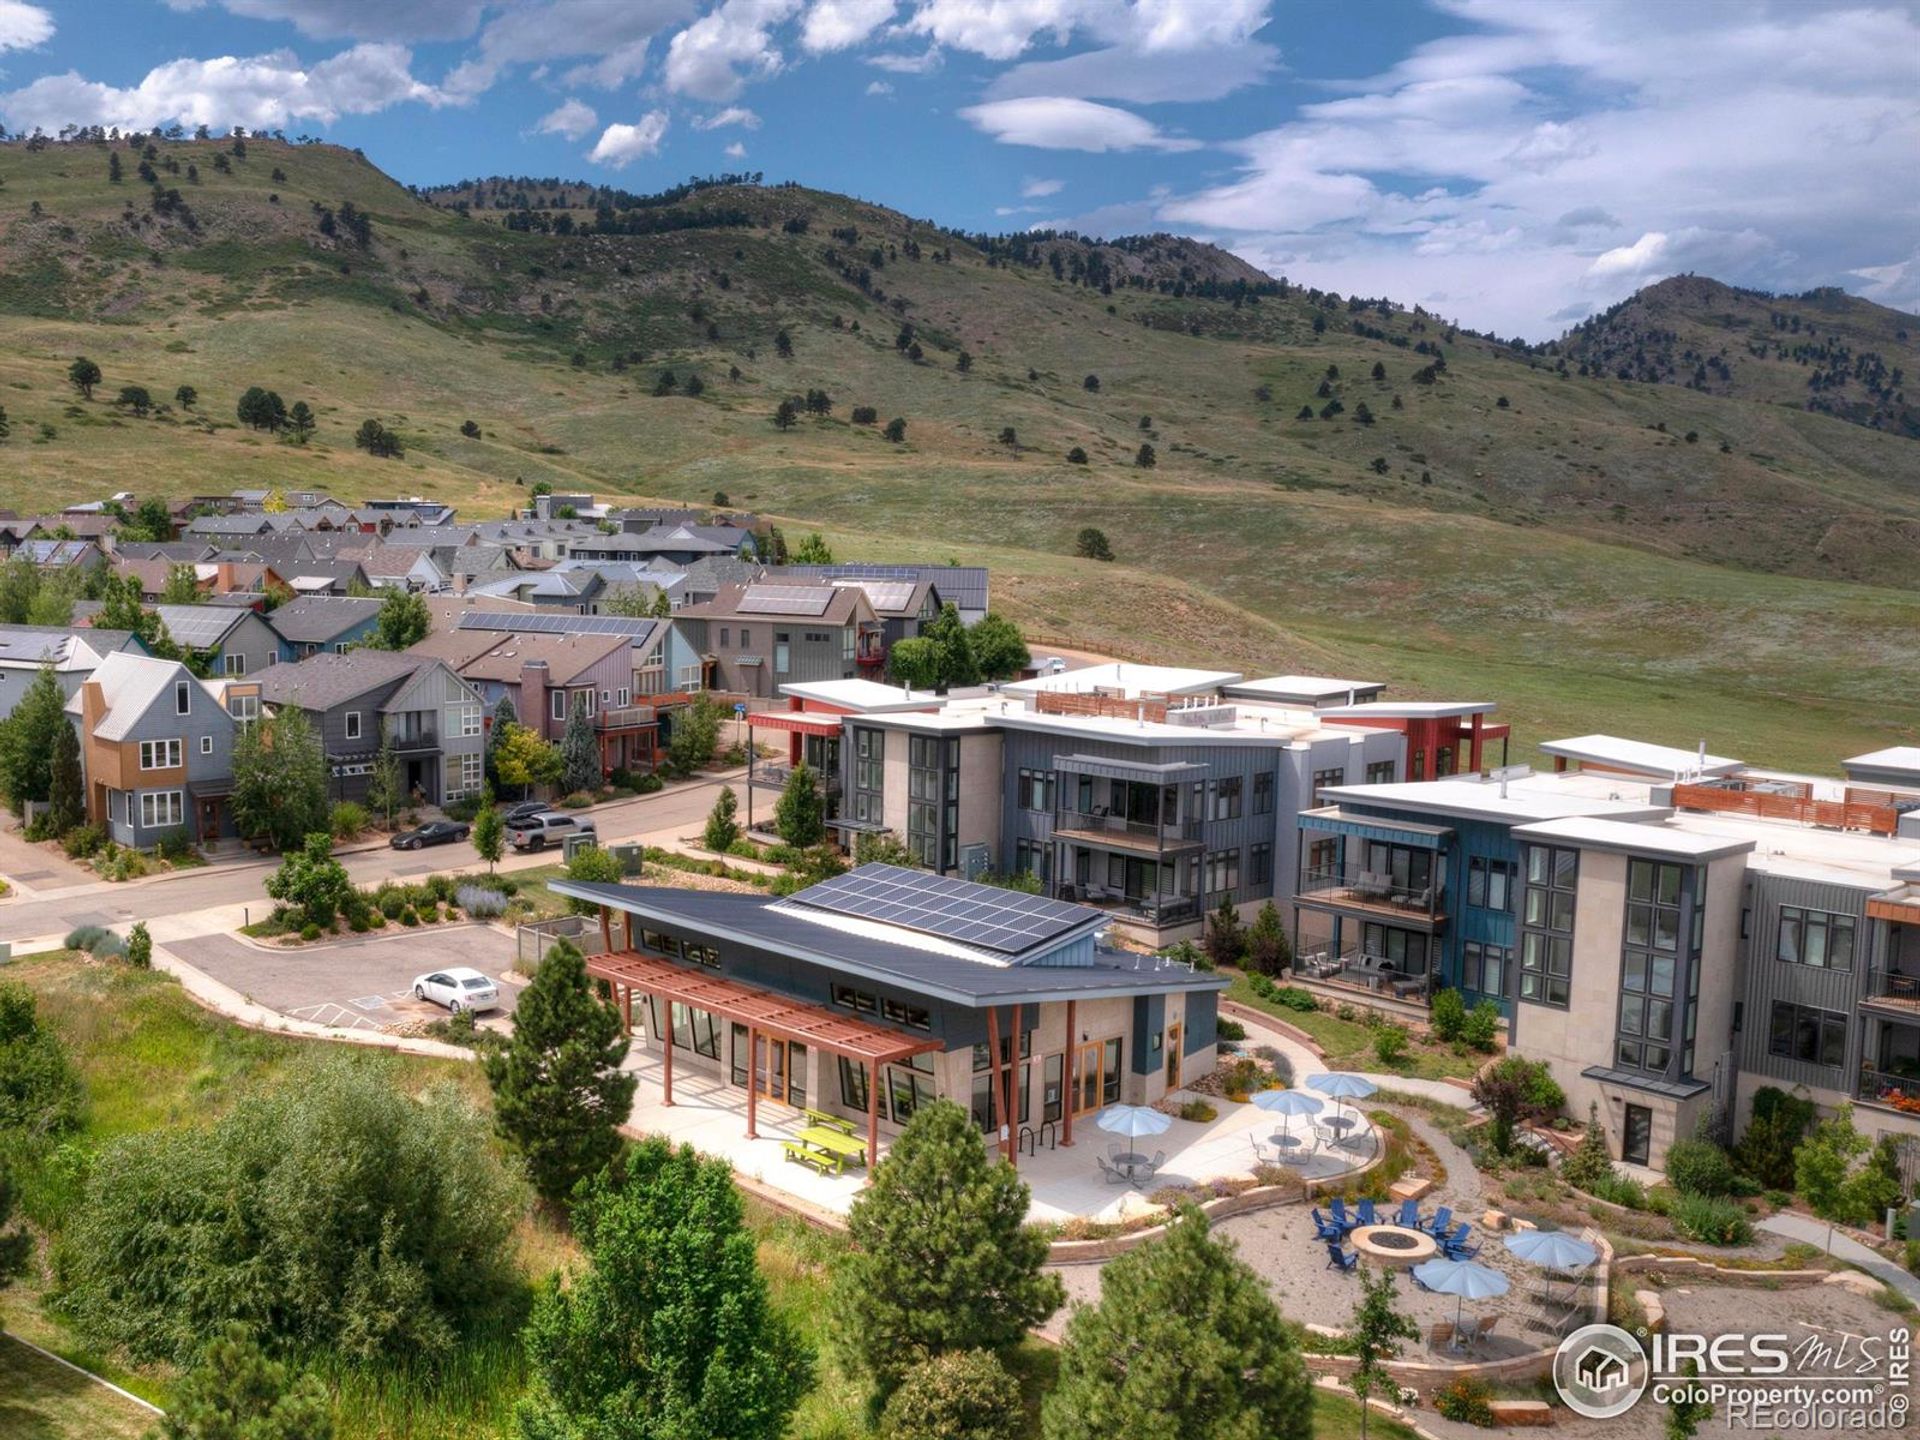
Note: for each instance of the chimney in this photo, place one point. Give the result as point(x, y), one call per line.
point(533, 696)
point(223, 581)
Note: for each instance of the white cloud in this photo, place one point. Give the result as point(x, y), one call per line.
point(1005, 29)
point(1033, 188)
point(879, 87)
point(259, 92)
point(617, 35)
point(925, 63)
point(1124, 72)
point(23, 26)
point(360, 20)
point(620, 145)
point(999, 29)
point(1058, 122)
point(732, 115)
point(735, 151)
point(573, 119)
point(839, 24)
point(713, 58)
point(1639, 258)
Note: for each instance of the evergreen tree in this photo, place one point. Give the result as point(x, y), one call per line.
point(723, 824)
point(186, 397)
point(1590, 1166)
point(279, 779)
point(27, 740)
point(896, 430)
point(182, 587)
point(83, 375)
point(799, 817)
point(784, 415)
point(6, 425)
point(961, 1395)
point(66, 787)
point(1375, 1336)
point(670, 1332)
point(1226, 939)
point(1145, 457)
point(579, 751)
point(783, 345)
point(386, 790)
point(235, 1392)
point(300, 420)
point(504, 717)
point(559, 1095)
point(1186, 1340)
point(942, 1257)
point(489, 831)
point(136, 398)
point(1091, 544)
point(403, 620)
point(1267, 947)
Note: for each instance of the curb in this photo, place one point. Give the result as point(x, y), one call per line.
point(96, 1379)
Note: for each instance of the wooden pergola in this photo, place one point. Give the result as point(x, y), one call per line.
point(763, 1012)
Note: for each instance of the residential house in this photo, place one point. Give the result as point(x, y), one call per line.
point(435, 721)
point(757, 637)
point(962, 586)
point(156, 750)
point(73, 652)
point(664, 664)
point(311, 624)
point(578, 590)
point(61, 555)
point(402, 567)
point(234, 640)
point(410, 512)
point(877, 992)
point(675, 544)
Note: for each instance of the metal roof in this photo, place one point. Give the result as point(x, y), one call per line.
point(199, 627)
point(550, 624)
point(799, 600)
point(319, 618)
point(964, 585)
point(1663, 762)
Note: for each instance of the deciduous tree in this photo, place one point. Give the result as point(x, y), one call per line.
point(999, 649)
point(279, 779)
point(83, 375)
point(1375, 1338)
point(489, 831)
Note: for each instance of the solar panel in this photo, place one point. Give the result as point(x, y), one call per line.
point(884, 594)
point(959, 910)
point(198, 627)
point(535, 624)
point(785, 600)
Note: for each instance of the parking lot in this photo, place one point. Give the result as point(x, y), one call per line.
point(359, 984)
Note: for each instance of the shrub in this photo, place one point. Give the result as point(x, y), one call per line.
point(1778, 1123)
point(1226, 1029)
point(83, 841)
point(1710, 1219)
point(961, 1395)
point(1591, 1163)
point(347, 820)
point(174, 845)
point(1466, 1401)
point(1618, 1189)
point(439, 888)
point(1198, 1110)
point(1390, 1043)
point(1699, 1167)
point(140, 947)
point(85, 937)
point(481, 903)
point(578, 800)
point(40, 1092)
point(390, 902)
point(309, 931)
point(1481, 1028)
point(409, 916)
point(465, 808)
point(1447, 1015)
point(313, 880)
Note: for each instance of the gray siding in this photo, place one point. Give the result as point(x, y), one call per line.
point(1769, 980)
point(252, 641)
point(205, 721)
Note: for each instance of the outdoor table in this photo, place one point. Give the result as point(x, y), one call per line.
point(1341, 1124)
point(1285, 1140)
point(1127, 1161)
point(835, 1142)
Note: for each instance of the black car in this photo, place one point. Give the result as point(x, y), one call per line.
point(436, 832)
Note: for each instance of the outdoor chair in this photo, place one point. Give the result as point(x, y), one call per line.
point(1108, 1171)
point(1484, 1329)
point(1323, 1228)
point(1340, 1217)
point(1115, 1149)
point(1439, 1333)
point(1153, 1165)
point(1409, 901)
point(1338, 1259)
point(1366, 1215)
point(1456, 1245)
point(1442, 1218)
point(1260, 1155)
point(1409, 1216)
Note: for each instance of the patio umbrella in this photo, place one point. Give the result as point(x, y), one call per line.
point(1342, 1086)
point(1288, 1103)
point(1552, 1250)
point(1133, 1121)
point(1462, 1278)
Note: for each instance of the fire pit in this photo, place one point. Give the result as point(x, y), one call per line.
point(1393, 1246)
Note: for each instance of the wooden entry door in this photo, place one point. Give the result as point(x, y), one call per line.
point(779, 1070)
point(1086, 1079)
point(1173, 1056)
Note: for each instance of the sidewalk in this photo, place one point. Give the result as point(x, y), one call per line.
point(1843, 1247)
point(1307, 1061)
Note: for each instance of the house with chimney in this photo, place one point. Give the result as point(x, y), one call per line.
point(156, 748)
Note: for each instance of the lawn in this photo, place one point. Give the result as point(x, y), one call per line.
point(1348, 1044)
point(41, 1399)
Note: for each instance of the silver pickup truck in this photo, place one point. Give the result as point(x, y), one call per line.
point(536, 832)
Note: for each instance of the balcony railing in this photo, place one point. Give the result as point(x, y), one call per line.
point(1153, 909)
point(771, 774)
point(1894, 985)
point(1897, 1092)
point(1098, 822)
point(623, 717)
point(1371, 889)
point(417, 740)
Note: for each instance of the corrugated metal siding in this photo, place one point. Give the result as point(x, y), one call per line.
point(1769, 979)
point(1149, 1019)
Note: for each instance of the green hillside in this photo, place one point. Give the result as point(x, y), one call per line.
point(1593, 553)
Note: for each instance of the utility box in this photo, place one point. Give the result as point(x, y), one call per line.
point(574, 844)
point(631, 858)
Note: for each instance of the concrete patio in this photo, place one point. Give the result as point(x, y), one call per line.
point(711, 1115)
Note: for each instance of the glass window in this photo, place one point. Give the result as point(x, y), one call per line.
point(1815, 938)
point(183, 697)
point(1323, 778)
point(1814, 1037)
point(1263, 793)
point(1380, 772)
point(909, 1086)
point(1226, 798)
point(1260, 864)
point(159, 754)
point(1546, 944)
point(853, 1084)
point(352, 723)
point(1110, 1074)
point(161, 808)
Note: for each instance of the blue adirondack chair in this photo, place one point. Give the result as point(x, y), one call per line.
point(1443, 1217)
point(1456, 1245)
point(1340, 1217)
point(1409, 1216)
point(1367, 1217)
point(1323, 1228)
point(1338, 1259)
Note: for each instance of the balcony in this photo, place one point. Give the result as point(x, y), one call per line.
point(1371, 893)
point(624, 717)
point(1097, 827)
point(405, 742)
point(1889, 1091)
point(1893, 990)
point(1161, 910)
point(775, 774)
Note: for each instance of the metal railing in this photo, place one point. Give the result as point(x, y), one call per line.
point(1155, 909)
point(1878, 1087)
point(1100, 822)
point(418, 740)
point(770, 773)
point(1368, 887)
point(1893, 985)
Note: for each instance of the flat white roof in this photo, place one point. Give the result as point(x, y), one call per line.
point(1807, 852)
point(1522, 800)
point(1408, 709)
point(1894, 757)
point(1306, 687)
point(864, 696)
point(1128, 679)
point(1645, 838)
point(1664, 762)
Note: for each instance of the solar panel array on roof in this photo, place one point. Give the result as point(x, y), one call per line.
point(785, 600)
point(885, 595)
point(958, 910)
point(526, 623)
point(198, 627)
point(963, 585)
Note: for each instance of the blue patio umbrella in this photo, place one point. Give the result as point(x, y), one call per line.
point(1288, 1103)
point(1133, 1121)
point(1342, 1086)
point(1461, 1278)
point(1552, 1250)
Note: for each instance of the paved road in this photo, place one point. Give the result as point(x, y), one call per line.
point(363, 984)
point(678, 810)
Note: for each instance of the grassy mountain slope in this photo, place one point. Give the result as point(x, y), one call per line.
point(1569, 553)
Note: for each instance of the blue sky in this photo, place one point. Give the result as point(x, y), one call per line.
point(1515, 164)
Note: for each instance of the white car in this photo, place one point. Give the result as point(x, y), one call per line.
point(458, 989)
